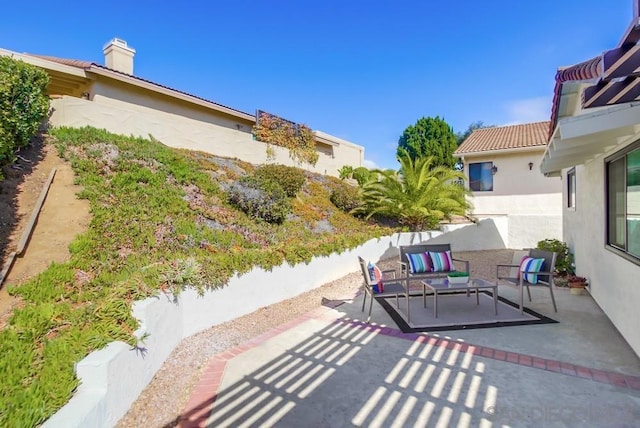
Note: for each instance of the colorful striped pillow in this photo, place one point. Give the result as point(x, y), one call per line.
point(530, 264)
point(419, 262)
point(442, 262)
point(520, 266)
point(375, 275)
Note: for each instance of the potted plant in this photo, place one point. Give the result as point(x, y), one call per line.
point(458, 277)
point(576, 283)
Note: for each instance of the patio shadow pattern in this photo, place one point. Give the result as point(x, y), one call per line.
point(350, 373)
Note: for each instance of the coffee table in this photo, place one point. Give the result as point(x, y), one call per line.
point(441, 285)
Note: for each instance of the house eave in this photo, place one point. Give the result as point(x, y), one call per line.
point(578, 139)
point(485, 153)
point(45, 64)
point(324, 139)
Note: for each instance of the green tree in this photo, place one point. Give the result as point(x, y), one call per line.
point(429, 137)
point(419, 195)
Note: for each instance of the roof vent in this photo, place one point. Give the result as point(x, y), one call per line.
point(118, 56)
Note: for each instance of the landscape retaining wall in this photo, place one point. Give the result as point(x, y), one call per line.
point(112, 378)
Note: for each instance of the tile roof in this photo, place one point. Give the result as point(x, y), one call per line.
point(614, 74)
point(505, 137)
point(586, 70)
point(72, 62)
point(86, 65)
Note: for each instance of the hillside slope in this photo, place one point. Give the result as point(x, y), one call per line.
point(161, 221)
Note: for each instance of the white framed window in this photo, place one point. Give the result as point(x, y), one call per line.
point(623, 201)
point(571, 188)
point(481, 176)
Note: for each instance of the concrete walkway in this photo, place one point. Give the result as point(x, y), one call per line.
point(329, 369)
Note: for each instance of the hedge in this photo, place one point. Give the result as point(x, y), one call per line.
point(24, 104)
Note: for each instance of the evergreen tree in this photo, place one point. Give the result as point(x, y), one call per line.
point(429, 137)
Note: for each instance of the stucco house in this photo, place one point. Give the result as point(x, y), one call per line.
point(110, 96)
point(594, 144)
point(501, 165)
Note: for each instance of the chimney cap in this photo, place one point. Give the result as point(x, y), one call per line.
point(120, 43)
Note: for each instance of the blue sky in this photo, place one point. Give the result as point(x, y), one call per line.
point(360, 70)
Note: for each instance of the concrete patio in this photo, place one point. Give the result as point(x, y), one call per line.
point(331, 369)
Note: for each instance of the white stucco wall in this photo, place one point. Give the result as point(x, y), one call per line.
point(614, 281)
point(531, 202)
point(525, 231)
point(486, 234)
point(517, 204)
point(181, 126)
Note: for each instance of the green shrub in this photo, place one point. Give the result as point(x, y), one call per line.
point(289, 178)
point(346, 197)
point(259, 198)
point(23, 104)
point(564, 258)
point(360, 174)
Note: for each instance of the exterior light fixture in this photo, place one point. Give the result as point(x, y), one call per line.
point(530, 166)
point(494, 169)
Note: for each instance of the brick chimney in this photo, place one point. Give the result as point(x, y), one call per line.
point(118, 56)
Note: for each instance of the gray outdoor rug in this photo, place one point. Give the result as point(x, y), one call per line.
point(456, 311)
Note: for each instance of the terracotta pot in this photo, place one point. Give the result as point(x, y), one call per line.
point(576, 290)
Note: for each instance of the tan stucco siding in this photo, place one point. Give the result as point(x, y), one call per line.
point(344, 154)
point(118, 93)
point(176, 126)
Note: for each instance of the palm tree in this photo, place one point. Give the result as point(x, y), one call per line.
point(419, 195)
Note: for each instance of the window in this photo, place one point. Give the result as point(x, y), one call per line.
point(571, 188)
point(481, 176)
point(623, 201)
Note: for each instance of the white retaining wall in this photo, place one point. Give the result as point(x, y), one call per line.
point(112, 378)
point(486, 234)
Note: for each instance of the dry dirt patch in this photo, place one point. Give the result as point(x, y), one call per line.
point(62, 217)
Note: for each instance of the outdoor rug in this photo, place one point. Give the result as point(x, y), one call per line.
point(456, 311)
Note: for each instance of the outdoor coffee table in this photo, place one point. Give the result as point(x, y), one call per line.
point(441, 285)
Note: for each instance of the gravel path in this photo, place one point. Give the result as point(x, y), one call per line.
point(160, 404)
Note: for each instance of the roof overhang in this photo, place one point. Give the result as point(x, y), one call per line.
point(511, 151)
point(63, 79)
point(578, 139)
point(46, 64)
point(332, 140)
point(320, 138)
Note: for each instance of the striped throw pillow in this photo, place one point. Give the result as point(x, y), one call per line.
point(419, 263)
point(529, 265)
point(442, 262)
point(522, 260)
point(375, 275)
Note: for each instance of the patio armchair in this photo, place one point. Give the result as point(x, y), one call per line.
point(391, 286)
point(530, 273)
